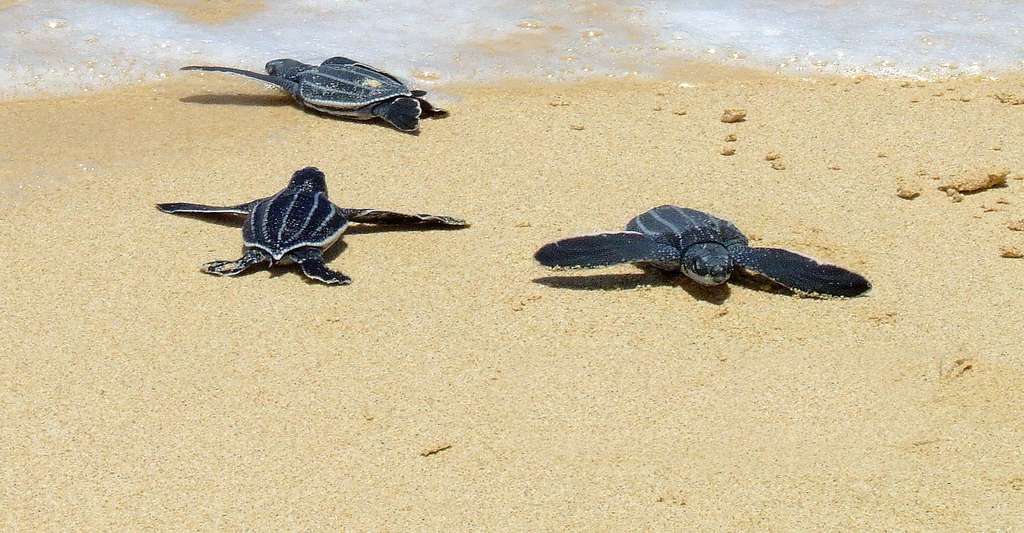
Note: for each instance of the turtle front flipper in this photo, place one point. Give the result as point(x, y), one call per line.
point(402, 113)
point(339, 60)
point(377, 216)
point(284, 83)
point(605, 249)
point(800, 273)
point(186, 208)
point(311, 261)
point(252, 257)
point(429, 109)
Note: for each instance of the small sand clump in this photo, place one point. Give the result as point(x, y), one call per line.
point(1011, 252)
point(1016, 225)
point(1009, 98)
point(778, 165)
point(907, 191)
point(728, 150)
point(772, 156)
point(730, 116)
point(958, 368)
point(731, 138)
point(977, 180)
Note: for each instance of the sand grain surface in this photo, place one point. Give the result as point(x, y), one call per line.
point(457, 385)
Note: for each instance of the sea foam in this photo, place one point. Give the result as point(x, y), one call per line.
point(67, 46)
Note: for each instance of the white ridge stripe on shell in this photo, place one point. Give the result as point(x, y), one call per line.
point(253, 216)
point(686, 215)
point(327, 219)
point(643, 227)
point(312, 210)
point(330, 77)
point(284, 219)
point(313, 80)
point(364, 71)
point(672, 228)
point(332, 105)
point(265, 220)
point(653, 225)
point(330, 239)
point(371, 71)
point(266, 215)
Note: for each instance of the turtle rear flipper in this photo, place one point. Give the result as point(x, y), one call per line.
point(187, 208)
point(402, 113)
point(286, 84)
point(605, 249)
point(311, 261)
point(377, 216)
point(800, 273)
point(251, 258)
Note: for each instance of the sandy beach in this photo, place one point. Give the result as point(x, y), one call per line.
point(457, 385)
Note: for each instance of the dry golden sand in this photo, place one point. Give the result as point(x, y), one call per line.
point(447, 388)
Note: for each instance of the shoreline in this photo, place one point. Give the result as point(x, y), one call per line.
point(688, 72)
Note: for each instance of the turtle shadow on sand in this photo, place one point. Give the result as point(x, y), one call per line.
point(220, 219)
point(362, 229)
point(248, 100)
point(650, 277)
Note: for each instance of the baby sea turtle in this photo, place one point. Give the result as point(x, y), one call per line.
point(296, 225)
point(345, 87)
point(705, 248)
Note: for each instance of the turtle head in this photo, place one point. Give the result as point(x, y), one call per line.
point(708, 263)
point(286, 68)
point(309, 179)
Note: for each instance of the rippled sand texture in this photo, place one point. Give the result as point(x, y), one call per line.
point(457, 385)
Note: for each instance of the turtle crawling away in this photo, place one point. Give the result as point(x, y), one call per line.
point(296, 225)
point(705, 248)
point(347, 88)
